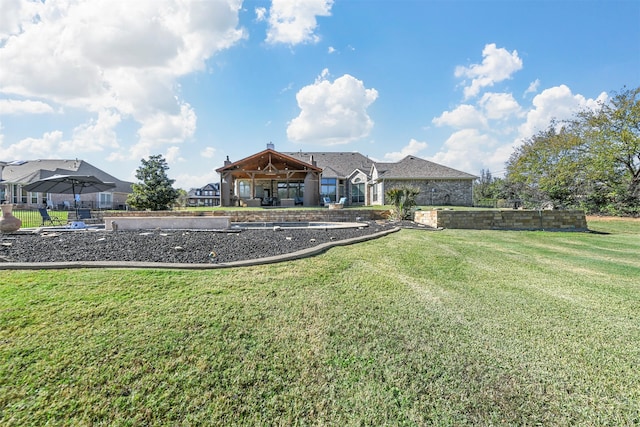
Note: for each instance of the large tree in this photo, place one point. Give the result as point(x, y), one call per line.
point(591, 161)
point(613, 135)
point(545, 168)
point(155, 190)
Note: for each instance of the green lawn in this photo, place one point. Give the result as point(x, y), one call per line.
point(455, 327)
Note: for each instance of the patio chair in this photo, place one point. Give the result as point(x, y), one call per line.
point(48, 218)
point(343, 201)
point(326, 201)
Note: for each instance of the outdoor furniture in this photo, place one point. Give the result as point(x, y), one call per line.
point(339, 204)
point(48, 218)
point(326, 201)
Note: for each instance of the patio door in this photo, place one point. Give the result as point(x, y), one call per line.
point(105, 200)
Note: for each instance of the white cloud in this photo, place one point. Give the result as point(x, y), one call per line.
point(499, 106)
point(125, 57)
point(187, 181)
point(208, 153)
point(497, 65)
point(15, 14)
point(555, 103)
point(463, 116)
point(465, 150)
point(172, 155)
point(332, 113)
point(477, 146)
point(261, 14)
point(28, 148)
point(294, 21)
point(95, 135)
point(533, 87)
point(164, 128)
point(331, 50)
point(12, 106)
point(412, 149)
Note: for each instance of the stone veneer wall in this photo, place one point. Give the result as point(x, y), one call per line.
point(447, 192)
point(272, 215)
point(504, 219)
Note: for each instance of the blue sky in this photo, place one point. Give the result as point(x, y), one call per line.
point(460, 83)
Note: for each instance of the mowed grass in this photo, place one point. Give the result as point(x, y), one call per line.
point(454, 327)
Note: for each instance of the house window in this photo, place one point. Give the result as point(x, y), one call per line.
point(244, 189)
point(328, 188)
point(34, 198)
point(19, 194)
point(357, 193)
point(290, 190)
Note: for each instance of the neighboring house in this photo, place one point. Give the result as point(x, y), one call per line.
point(274, 178)
point(209, 195)
point(15, 175)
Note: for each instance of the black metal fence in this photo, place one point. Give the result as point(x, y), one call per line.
point(32, 218)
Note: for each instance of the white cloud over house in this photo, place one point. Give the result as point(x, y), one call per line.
point(414, 148)
point(120, 57)
point(498, 64)
point(487, 131)
point(332, 113)
point(463, 116)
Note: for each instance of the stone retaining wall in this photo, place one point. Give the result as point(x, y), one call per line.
point(504, 219)
point(271, 215)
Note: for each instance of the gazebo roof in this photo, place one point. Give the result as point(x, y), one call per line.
point(269, 164)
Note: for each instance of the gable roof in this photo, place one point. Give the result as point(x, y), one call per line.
point(336, 164)
point(28, 171)
point(268, 160)
point(412, 167)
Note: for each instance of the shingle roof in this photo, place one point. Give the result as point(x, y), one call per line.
point(336, 164)
point(415, 167)
point(25, 172)
point(342, 164)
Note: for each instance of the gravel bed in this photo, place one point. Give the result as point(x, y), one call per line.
point(169, 246)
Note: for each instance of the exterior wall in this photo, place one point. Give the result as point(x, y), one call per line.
point(437, 192)
point(504, 220)
point(271, 215)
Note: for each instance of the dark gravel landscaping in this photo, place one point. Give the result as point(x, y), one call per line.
point(170, 246)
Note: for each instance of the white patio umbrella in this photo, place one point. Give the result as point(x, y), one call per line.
point(69, 184)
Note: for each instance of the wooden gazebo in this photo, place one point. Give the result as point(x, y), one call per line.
point(269, 178)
